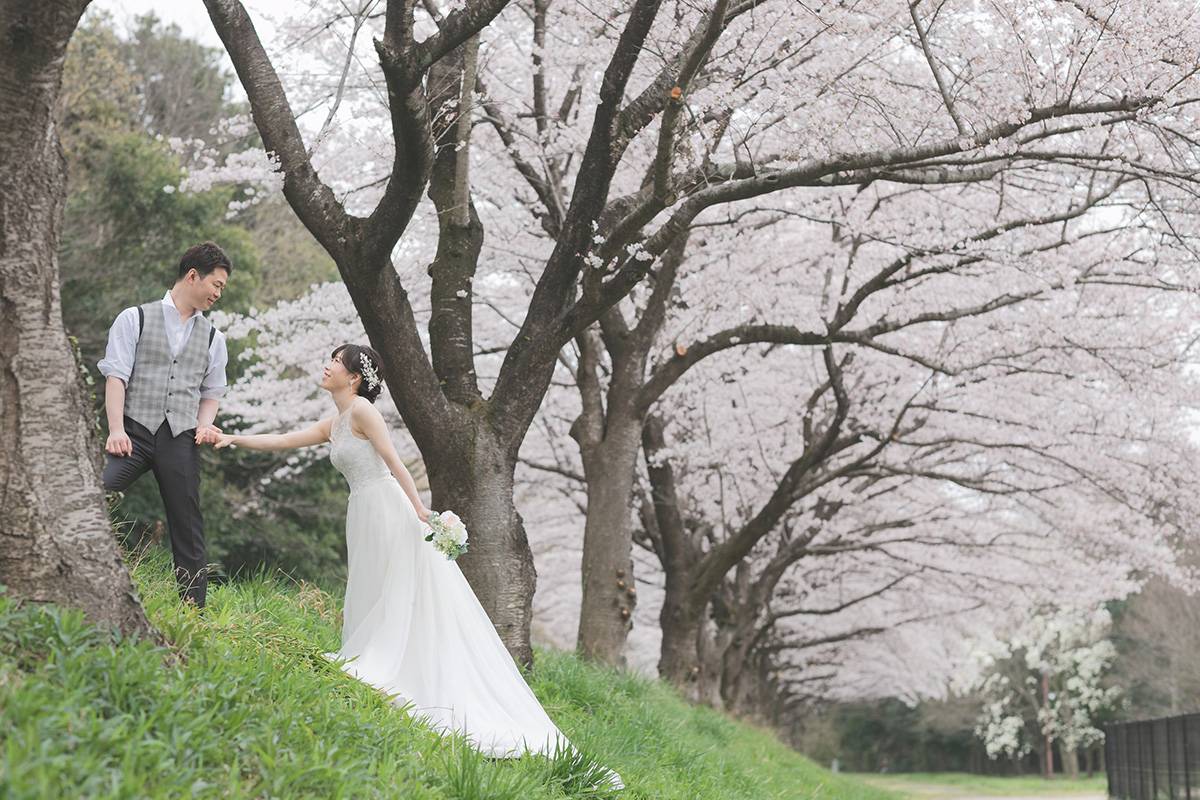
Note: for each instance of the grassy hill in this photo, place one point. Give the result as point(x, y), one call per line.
point(242, 703)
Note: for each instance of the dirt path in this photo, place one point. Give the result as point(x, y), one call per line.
point(951, 795)
point(941, 791)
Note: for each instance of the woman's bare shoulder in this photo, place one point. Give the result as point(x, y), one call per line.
point(364, 414)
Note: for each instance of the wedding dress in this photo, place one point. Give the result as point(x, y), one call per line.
point(412, 626)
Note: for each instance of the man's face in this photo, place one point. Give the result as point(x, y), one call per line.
point(206, 291)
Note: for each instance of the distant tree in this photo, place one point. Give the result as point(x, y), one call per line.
point(1157, 635)
point(864, 405)
point(1048, 682)
point(181, 84)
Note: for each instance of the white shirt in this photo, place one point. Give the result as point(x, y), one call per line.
point(124, 334)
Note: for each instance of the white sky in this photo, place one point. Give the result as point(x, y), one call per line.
point(191, 16)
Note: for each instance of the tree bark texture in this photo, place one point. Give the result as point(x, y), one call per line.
point(498, 563)
point(56, 543)
point(679, 657)
point(609, 595)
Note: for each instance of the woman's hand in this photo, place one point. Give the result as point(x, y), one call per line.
point(223, 440)
point(423, 514)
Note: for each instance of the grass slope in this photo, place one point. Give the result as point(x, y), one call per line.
point(242, 704)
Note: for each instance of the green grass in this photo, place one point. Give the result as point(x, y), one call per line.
point(242, 704)
point(961, 784)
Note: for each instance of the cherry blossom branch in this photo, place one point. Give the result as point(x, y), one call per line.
point(642, 109)
point(718, 561)
point(668, 372)
point(804, 644)
point(359, 18)
point(775, 616)
point(542, 185)
point(937, 71)
point(674, 105)
point(626, 271)
point(534, 350)
point(556, 470)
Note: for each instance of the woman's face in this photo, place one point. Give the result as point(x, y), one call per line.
point(336, 375)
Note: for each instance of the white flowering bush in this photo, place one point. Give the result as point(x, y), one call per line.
point(1047, 679)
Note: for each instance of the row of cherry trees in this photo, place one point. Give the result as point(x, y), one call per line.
point(840, 303)
point(981, 414)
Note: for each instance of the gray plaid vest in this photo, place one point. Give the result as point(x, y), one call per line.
point(162, 386)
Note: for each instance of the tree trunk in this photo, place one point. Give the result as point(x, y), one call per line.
point(610, 439)
point(498, 562)
point(705, 687)
point(741, 678)
point(691, 652)
point(1070, 761)
point(609, 596)
point(56, 543)
point(679, 656)
point(679, 660)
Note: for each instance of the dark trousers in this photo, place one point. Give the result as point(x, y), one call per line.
point(176, 464)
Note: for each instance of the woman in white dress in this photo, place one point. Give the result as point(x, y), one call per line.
point(412, 626)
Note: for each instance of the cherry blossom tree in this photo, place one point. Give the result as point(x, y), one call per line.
point(983, 406)
point(616, 128)
point(56, 545)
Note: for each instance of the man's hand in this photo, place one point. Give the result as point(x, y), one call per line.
point(208, 434)
point(118, 444)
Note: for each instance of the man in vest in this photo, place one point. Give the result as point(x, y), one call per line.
point(164, 372)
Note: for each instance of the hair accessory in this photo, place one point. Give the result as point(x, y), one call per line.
point(370, 376)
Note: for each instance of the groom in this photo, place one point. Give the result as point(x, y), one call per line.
point(164, 371)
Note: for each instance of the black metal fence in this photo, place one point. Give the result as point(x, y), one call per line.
point(1154, 759)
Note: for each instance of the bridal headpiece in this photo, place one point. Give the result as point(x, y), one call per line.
point(370, 376)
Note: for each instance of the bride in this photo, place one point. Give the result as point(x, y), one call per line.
point(412, 626)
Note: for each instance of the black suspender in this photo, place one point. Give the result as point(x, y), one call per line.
point(212, 329)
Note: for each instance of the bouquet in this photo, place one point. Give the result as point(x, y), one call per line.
point(448, 534)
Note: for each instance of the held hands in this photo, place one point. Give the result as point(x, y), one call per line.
point(223, 440)
point(118, 444)
point(208, 434)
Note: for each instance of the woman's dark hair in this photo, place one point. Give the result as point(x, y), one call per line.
point(363, 361)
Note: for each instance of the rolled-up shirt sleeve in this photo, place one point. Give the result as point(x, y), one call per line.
point(213, 385)
point(122, 346)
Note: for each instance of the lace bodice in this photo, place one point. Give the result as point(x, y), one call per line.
point(355, 458)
